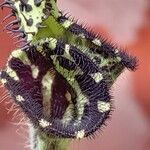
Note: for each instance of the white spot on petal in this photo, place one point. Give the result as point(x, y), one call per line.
point(67, 24)
point(19, 98)
point(103, 106)
point(82, 36)
point(80, 134)
point(116, 51)
point(119, 58)
point(97, 77)
point(43, 123)
point(97, 42)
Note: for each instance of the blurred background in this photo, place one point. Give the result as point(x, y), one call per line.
point(127, 23)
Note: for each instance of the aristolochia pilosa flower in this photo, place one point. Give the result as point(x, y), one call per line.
point(61, 76)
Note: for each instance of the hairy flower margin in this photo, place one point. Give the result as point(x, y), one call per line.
point(62, 73)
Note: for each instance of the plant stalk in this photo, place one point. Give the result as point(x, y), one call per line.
point(41, 141)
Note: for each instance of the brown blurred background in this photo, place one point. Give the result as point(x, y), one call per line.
point(126, 22)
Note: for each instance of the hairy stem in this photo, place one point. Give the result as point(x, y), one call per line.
point(41, 141)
